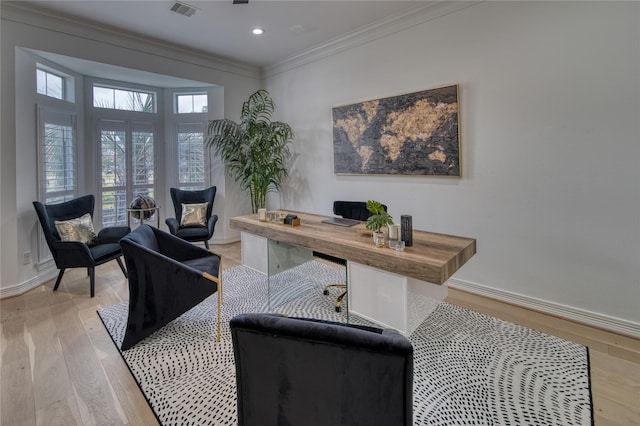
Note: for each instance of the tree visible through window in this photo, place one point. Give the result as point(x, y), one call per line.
point(122, 99)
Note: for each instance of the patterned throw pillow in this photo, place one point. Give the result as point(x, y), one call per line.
point(194, 215)
point(79, 229)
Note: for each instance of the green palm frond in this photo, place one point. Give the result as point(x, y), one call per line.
point(254, 151)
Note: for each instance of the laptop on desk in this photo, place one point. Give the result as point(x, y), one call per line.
point(340, 221)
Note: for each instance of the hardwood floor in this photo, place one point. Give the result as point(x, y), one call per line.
point(59, 365)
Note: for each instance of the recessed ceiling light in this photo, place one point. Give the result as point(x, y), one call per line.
point(257, 31)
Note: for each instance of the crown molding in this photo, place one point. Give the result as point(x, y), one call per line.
point(382, 28)
point(34, 16)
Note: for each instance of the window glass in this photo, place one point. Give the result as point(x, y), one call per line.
point(113, 162)
point(122, 99)
point(191, 156)
point(190, 103)
point(127, 166)
point(49, 84)
point(103, 97)
point(59, 166)
point(200, 103)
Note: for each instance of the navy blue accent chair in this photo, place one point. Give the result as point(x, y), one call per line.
point(300, 371)
point(193, 233)
point(167, 277)
point(76, 254)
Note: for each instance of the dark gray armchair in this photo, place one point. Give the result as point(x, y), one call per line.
point(167, 277)
point(193, 232)
point(77, 254)
point(298, 371)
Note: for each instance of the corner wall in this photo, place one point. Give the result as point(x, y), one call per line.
point(550, 108)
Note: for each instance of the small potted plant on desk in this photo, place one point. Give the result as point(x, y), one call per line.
point(379, 218)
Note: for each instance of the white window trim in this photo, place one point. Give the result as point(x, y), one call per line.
point(98, 114)
point(68, 83)
point(54, 115)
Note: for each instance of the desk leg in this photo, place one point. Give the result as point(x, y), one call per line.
point(389, 299)
point(253, 250)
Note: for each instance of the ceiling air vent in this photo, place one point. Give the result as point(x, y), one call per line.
point(183, 9)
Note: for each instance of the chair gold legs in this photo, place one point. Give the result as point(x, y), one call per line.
point(325, 291)
point(218, 281)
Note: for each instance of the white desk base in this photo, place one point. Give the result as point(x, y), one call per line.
point(389, 299)
point(385, 298)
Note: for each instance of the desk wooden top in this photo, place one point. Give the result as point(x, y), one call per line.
point(432, 257)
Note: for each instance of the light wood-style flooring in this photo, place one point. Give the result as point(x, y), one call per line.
point(60, 367)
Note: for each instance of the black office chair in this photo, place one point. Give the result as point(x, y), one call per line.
point(298, 371)
point(192, 223)
point(349, 210)
point(167, 277)
point(79, 254)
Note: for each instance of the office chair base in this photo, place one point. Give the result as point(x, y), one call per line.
point(339, 301)
point(325, 291)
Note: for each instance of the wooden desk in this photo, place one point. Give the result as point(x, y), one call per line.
point(433, 258)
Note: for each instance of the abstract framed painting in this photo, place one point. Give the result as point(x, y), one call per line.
point(412, 134)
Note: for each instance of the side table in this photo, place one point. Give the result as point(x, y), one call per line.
point(154, 211)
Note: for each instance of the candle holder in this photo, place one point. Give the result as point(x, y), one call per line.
point(406, 230)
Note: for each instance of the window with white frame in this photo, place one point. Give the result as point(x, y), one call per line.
point(57, 163)
point(187, 103)
point(54, 84)
point(50, 84)
point(192, 161)
point(127, 166)
point(123, 99)
point(126, 130)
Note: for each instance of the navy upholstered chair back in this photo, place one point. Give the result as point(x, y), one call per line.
point(193, 233)
point(167, 277)
point(76, 254)
point(352, 209)
point(296, 371)
point(180, 196)
point(48, 214)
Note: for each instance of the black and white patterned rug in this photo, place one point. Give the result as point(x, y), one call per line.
point(470, 368)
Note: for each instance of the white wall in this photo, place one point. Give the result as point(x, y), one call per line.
point(18, 185)
point(550, 112)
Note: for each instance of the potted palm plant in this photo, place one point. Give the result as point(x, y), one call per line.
point(379, 218)
point(255, 150)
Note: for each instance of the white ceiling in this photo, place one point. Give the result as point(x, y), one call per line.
point(224, 29)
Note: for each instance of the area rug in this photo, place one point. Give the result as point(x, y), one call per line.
point(470, 368)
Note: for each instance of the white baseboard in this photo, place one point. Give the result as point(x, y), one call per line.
point(225, 240)
point(47, 271)
point(30, 284)
point(616, 325)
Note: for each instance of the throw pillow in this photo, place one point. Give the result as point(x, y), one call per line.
point(78, 229)
point(194, 215)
